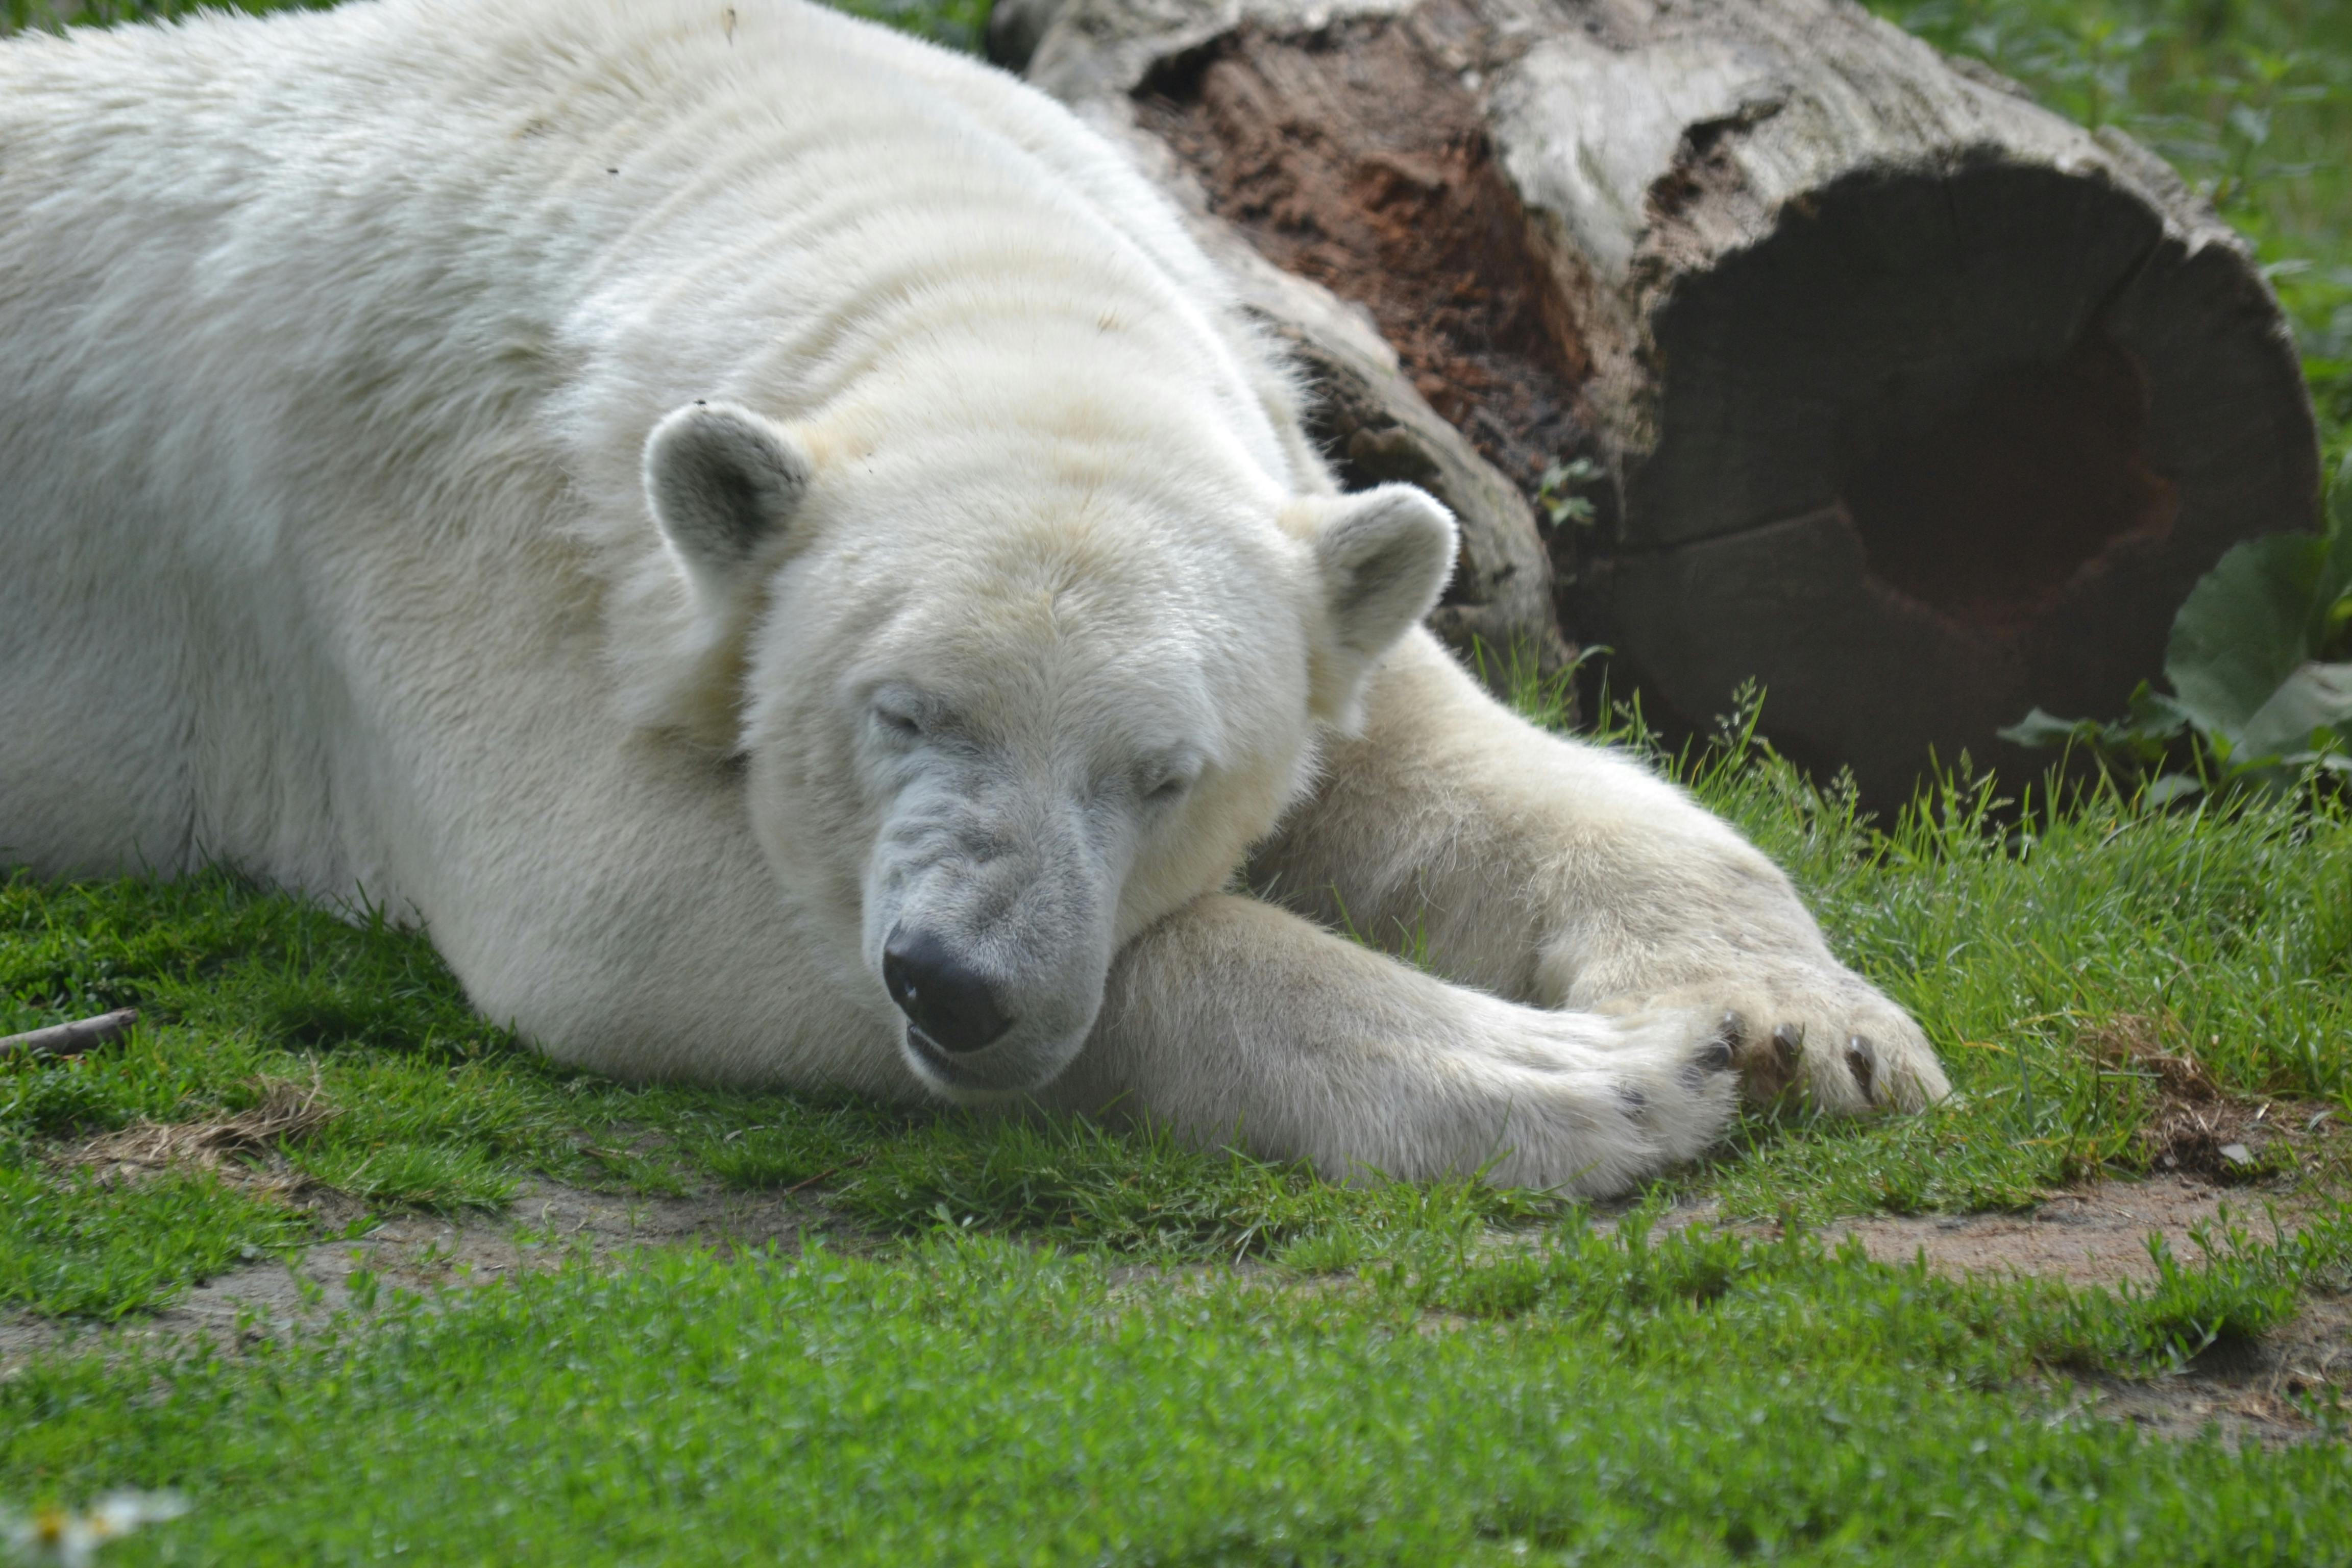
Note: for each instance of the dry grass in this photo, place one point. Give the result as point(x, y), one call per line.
point(2194, 1126)
point(247, 1147)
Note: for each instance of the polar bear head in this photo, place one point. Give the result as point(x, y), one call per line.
point(999, 713)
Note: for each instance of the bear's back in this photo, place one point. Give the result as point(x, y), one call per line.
point(333, 338)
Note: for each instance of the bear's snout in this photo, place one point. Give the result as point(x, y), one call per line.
point(943, 997)
point(990, 902)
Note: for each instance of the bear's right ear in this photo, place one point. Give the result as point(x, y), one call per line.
point(723, 483)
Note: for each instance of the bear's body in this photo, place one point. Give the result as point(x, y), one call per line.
point(756, 531)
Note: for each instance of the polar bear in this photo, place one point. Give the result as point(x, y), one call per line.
point(769, 541)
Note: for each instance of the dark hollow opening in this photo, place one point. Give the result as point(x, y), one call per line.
point(1987, 513)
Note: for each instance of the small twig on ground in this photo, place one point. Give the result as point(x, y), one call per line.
point(849, 1164)
point(71, 1039)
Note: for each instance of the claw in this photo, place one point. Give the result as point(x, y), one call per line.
point(1769, 1062)
point(1716, 1055)
point(1862, 1060)
point(1788, 1044)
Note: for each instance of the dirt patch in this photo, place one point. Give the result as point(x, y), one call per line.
point(2260, 1392)
point(546, 1223)
point(2256, 1391)
point(2098, 1235)
point(1355, 156)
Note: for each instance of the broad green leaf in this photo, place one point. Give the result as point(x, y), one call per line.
point(2332, 622)
point(2041, 729)
point(2248, 625)
point(2153, 716)
point(2337, 638)
point(2315, 700)
point(2154, 719)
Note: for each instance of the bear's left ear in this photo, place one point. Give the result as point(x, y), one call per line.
point(1383, 556)
point(723, 483)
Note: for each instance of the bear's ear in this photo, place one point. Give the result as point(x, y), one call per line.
point(723, 482)
point(1384, 556)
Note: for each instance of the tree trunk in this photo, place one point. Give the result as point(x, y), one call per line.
point(1914, 403)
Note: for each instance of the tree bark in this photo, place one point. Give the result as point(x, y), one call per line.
point(1918, 405)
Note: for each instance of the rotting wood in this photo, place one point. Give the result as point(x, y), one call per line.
point(71, 1039)
point(1370, 412)
point(1922, 405)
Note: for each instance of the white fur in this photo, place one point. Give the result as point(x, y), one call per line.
point(980, 583)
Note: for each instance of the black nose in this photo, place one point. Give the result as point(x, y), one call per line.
point(941, 994)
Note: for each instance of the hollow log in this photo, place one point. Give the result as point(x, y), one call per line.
point(1918, 405)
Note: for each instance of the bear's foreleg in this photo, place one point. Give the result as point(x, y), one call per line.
point(1566, 875)
point(1234, 1022)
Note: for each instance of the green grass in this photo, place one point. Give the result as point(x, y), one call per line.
point(2222, 935)
point(74, 1245)
point(1700, 1400)
point(1028, 1342)
point(436, 1108)
point(975, 1370)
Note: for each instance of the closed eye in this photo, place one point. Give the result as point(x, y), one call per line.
point(898, 715)
point(1169, 780)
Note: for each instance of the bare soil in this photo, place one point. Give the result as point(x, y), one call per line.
point(2249, 1393)
point(547, 1223)
point(2097, 1236)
